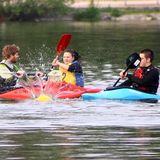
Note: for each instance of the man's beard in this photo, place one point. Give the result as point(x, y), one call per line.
point(14, 61)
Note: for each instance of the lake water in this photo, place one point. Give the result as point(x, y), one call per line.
point(77, 129)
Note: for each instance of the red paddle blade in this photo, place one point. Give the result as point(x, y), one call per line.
point(63, 43)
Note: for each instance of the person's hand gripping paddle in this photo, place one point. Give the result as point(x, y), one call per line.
point(132, 62)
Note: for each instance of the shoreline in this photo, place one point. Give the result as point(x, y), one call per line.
point(138, 17)
point(106, 17)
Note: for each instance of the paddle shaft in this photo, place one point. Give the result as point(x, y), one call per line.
point(120, 78)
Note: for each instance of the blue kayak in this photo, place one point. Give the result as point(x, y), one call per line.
point(121, 94)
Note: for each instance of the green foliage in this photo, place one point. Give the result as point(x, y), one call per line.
point(31, 9)
point(55, 7)
point(1, 8)
point(119, 12)
point(141, 11)
point(22, 11)
point(114, 12)
point(91, 14)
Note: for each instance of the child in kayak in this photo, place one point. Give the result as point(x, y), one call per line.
point(146, 77)
point(8, 68)
point(70, 69)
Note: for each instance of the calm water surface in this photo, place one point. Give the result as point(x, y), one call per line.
point(74, 129)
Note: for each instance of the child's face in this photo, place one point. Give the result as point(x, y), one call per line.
point(67, 58)
point(145, 62)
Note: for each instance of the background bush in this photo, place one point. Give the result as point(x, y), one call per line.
point(31, 9)
point(91, 14)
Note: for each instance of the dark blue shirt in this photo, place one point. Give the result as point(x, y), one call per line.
point(77, 69)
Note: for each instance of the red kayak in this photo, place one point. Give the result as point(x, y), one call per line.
point(57, 90)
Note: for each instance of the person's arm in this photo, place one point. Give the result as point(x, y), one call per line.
point(150, 77)
point(75, 67)
point(62, 65)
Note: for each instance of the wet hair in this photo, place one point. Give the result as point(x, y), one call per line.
point(9, 50)
point(148, 53)
point(74, 54)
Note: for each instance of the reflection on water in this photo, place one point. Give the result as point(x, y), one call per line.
point(74, 129)
point(81, 143)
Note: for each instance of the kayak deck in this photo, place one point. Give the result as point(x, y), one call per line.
point(121, 94)
point(54, 90)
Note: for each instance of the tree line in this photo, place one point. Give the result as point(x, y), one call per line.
point(22, 10)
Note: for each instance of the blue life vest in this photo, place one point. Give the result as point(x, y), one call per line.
point(79, 79)
point(77, 69)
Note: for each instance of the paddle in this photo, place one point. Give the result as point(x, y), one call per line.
point(132, 62)
point(62, 44)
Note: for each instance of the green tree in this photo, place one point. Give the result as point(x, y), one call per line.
point(31, 9)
